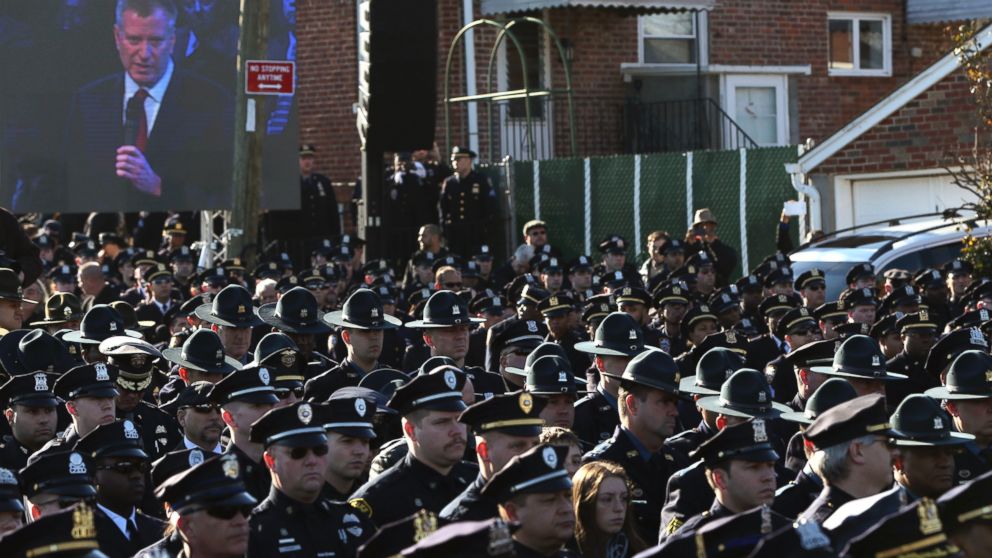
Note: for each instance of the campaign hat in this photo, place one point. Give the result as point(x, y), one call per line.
point(444, 309)
point(362, 310)
point(617, 335)
point(860, 357)
point(295, 312)
point(919, 421)
point(61, 308)
point(231, 307)
point(831, 393)
point(969, 377)
point(202, 351)
point(712, 370)
point(100, 322)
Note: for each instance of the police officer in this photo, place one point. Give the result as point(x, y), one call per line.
point(797, 328)
point(88, 392)
point(915, 530)
point(852, 454)
point(467, 204)
point(967, 393)
point(211, 507)
point(648, 403)
point(769, 346)
point(919, 333)
point(924, 468)
point(160, 306)
point(504, 426)
point(534, 491)
point(362, 321)
point(121, 464)
point(232, 316)
point(964, 511)
point(52, 535)
point(294, 516)
point(200, 359)
point(860, 361)
point(243, 397)
point(100, 322)
point(432, 473)
point(550, 378)
point(617, 341)
point(199, 419)
point(559, 315)
point(348, 421)
point(135, 360)
point(56, 480)
point(296, 314)
point(11, 508)
point(526, 302)
point(30, 409)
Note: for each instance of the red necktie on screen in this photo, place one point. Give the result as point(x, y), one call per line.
point(136, 107)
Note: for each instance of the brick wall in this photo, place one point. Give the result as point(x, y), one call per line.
point(924, 134)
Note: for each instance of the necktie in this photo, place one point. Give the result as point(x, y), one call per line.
point(136, 106)
point(132, 530)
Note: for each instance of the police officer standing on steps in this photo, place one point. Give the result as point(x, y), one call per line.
point(648, 399)
point(294, 517)
point(432, 473)
point(467, 205)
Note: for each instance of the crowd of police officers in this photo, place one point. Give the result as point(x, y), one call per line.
point(345, 406)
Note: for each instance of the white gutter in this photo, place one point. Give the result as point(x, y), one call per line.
point(470, 78)
point(812, 194)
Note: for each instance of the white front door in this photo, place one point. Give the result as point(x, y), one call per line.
point(514, 139)
point(758, 104)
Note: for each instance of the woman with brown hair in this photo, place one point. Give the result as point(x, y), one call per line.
point(603, 524)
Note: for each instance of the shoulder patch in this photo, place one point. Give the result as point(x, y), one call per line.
point(362, 505)
point(673, 525)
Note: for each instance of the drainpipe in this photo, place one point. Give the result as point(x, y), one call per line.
point(812, 194)
point(470, 85)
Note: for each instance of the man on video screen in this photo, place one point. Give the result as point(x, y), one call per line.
point(154, 136)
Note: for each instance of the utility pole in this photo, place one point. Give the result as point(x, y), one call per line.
point(248, 131)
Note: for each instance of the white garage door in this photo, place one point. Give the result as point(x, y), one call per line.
point(886, 198)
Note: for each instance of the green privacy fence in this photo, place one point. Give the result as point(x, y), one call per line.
point(586, 200)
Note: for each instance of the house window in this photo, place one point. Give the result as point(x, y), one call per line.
point(860, 44)
point(676, 38)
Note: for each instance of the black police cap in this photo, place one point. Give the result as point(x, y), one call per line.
point(120, 438)
point(517, 414)
point(10, 492)
point(779, 304)
point(830, 311)
point(348, 414)
point(725, 300)
point(850, 420)
point(851, 329)
point(712, 369)
point(295, 312)
point(540, 470)
point(859, 356)
point(617, 335)
point(384, 381)
point(810, 277)
point(134, 359)
point(736, 535)
point(231, 307)
point(547, 348)
point(632, 295)
point(523, 334)
point(859, 271)
point(440, 390)
point(976, 318)
point(803, 539)
point(654, 369)
point(967, 503)
point(614, 244)
point(202, 351)
point(66, 533)
point(88, 380)
point(393, 537)
point(216, 482)
point(444, 309)
point(551, 375)
point(745, 394)
point(31, 390)
point(464, 539)
point(486, 301)
point(831, 393)
point(746, 441)
point(885, 326)
point(915, 530)
point(248, 385)
point(919, 421)
point(299, 424)
point(65, 473)
point(864, 296)
point(558, 304)
point(969, 377)
point(695, 315)
point(794, 321)
point(598, 307)
point(780, 275)
point(194, 395)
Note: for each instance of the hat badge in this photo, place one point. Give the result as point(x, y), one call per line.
point(633, 335)
point(562, 377)
point(455, 310)
point(67, 312)
point(303, 313)
point(287, 358)
point(304, 413)
point(263, 375)
point(101, 372)
point(762, 397)
point(550, 457)
point(526, 402)
point(977, 338)
point(929, 518)
point(130, 432)
point(76, 464)
point(760, 433)
point(876, 360)
point(139, 359)
point(374, 312)
point(40, 382)
point(220, 354)
point(938, 423)
point(230, 467)
point(7, 477)
point(195, 457)
point(676, 290)
point(731, 337)
point(241, 309)
point(360, 407)
point(112, 326)
point(924, 317)
point(449, 379)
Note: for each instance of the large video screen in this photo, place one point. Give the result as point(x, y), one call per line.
point(128, 105)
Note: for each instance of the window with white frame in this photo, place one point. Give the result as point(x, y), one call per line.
point(675, 38)
point(860, 44)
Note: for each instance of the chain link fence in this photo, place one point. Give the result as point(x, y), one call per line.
point(585, 200)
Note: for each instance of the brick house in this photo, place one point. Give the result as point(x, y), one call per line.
point(647, 75)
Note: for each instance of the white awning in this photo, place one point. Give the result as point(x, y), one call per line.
point(492, 7)
point(941, 11)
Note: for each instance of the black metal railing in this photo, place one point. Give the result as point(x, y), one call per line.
point(687, 125)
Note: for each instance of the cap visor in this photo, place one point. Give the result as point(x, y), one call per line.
point(261, 397)
point(953, 439)
point(556, 484)
point(450, 404)
point(829, 371)
point(799, 418)
point(521, 431)
point(688, 385)
point(943, 393)
point(758, 455)
point(516, 371)
point(302, 440)
point(592, 348)
point(11, 505)
point(72, 490)
point(203, 312)
point(355, 432)
point(98, 391)
point(124, 452)
point(43, 401)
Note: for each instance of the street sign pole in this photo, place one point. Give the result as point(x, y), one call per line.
point(245, 215)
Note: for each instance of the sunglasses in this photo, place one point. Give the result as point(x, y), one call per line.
point(161, 280)
point(204, 409)
point(452, 285)
point(816, 287)
point(228, 512)
point(126, 467)
point(810, 331)
point(285, 393)
point(299, 453)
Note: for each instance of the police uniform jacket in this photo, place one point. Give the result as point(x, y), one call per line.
point(63, 441)
point(112, 541)
point(282, 526)
point(596, 417)
point(148, 310)
point(918, 380)
point(578, 359)
point(521, 551)
point(470, 505)
point(346, 374)
point(857, 516)
point(762, 351)
point(716, 511)
point(159, 431)
point(466, 206)
point(476, 355)
point(971, 462)
point(13, 455)
point(688, 440)
point(782, 377)
point(794, 498)
point(830, 500)
point(167, 547)
point(256, 476)
point(409, 486)
point(648, 475)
